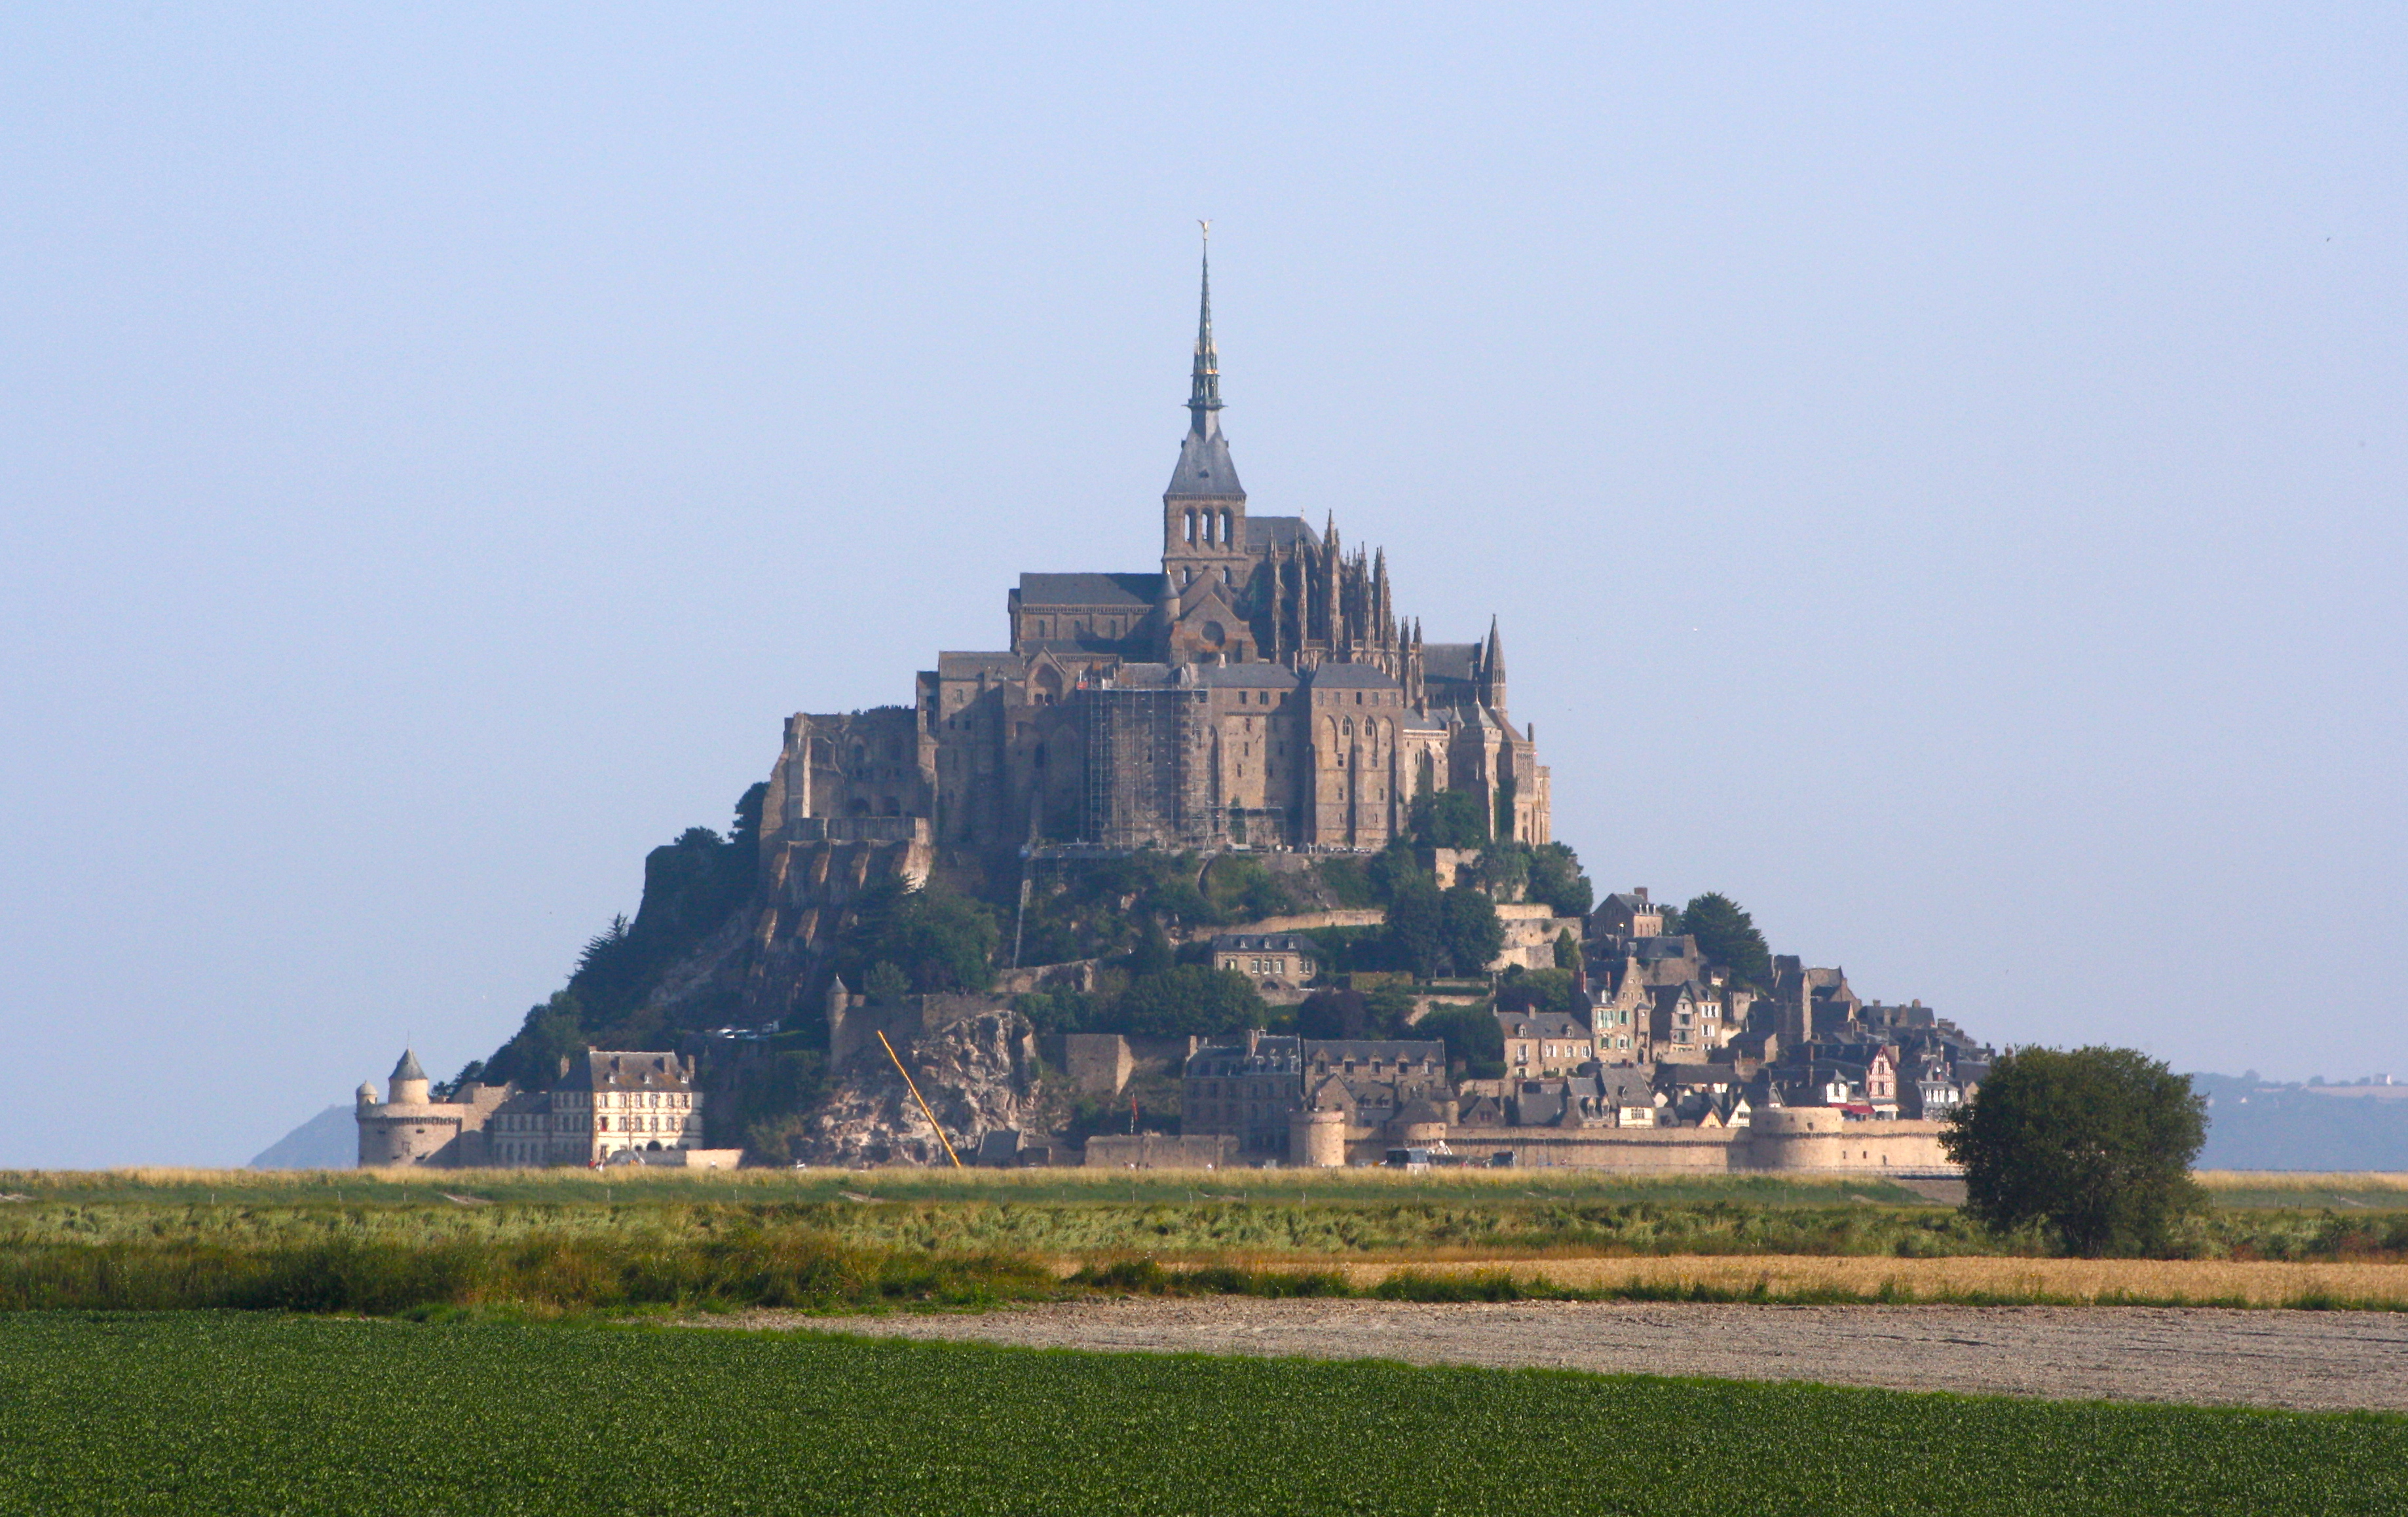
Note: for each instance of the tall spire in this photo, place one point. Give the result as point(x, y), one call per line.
point(1204, 468)
point(1204, 390)
point(1492, 672)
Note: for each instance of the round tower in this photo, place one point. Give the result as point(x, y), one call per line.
point(1316, 1139)
point(409, 1085)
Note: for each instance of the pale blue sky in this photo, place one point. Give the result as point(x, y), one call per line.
point(1941, 471)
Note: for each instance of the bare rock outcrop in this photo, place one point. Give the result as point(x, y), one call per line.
point(979, 1075)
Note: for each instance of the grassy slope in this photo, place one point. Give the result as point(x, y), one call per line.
point(199, 1414)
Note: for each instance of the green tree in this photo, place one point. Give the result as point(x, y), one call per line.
point(1334, 1014)
point(1188, 1000)
point(551, 1032)
point(1473, 1039)
point(941, 940)
point(1567, 953)
point(1726, 936)
point(1555, 878)
point(1389, 1012)
point(1448, 818)
point(1392, 869)
point(2095, 1145)
point(885, 984)
point(1473, 934)
point(1153, 953)
point(1504, 871)
point(1505, 806)
point(1417, 927)
point(1539, 990)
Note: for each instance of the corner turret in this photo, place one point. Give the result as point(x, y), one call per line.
point(410, 1082)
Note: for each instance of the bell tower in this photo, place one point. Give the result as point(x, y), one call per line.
point(1204, 510)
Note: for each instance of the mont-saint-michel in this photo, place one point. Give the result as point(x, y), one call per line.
point(1220, 862)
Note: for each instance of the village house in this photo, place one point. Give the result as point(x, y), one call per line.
point(1276, 961)
point(1545, 1042)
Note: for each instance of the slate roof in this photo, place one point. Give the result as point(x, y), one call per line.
point(1449, 661)
point(1118, 591)
point(1542, 1025)
point(1286, 531)
point(407, 1069)
point(1673, 1076)
point(1247, 676)
point(1204, 471)
point(1676, 945)
point(970, 665)
point(1352, 676)
point(1363, 1050)
point(603, 1069)
point(1264, 943)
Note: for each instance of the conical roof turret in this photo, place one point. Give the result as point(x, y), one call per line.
point(407, 1069)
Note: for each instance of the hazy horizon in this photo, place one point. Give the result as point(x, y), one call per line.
point(1940, 475)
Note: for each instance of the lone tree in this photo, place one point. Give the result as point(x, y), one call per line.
point(2095, 1144)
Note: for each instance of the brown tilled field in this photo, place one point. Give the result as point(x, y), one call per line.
point(2304, 1360)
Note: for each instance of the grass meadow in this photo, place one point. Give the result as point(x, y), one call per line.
point(553, 1241)
point(245, 1414)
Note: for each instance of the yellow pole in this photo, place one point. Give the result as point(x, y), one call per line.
point(922, 1099)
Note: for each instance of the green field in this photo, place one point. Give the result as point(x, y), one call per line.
point(258, 1413)
point(554, 1241)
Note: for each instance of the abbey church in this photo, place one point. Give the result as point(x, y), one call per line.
point(1258, 690)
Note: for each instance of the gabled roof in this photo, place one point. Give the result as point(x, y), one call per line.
point(1091, 590)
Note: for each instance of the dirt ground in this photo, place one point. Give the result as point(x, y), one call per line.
point(2318, 1361)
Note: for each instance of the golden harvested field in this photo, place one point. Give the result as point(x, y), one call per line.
point(2163, 1281)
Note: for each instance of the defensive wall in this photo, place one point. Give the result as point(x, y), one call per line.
point(1790, 1140)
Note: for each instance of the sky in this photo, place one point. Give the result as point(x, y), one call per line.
point(1939, 469)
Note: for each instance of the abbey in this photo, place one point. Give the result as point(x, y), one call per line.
point(1259, 690)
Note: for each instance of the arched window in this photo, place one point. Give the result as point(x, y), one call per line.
point(1191, 526)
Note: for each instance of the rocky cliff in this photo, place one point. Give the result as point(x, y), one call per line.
point(979, 1075)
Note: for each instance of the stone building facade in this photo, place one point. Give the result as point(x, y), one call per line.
point(410, 1127)
point(606, 1107)
point(1317, 1101)
point(1260, 689)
